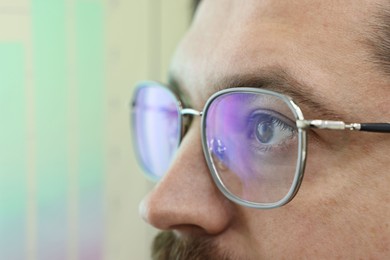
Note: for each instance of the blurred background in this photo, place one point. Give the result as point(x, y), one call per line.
point(69, 183)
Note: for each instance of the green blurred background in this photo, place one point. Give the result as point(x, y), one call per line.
point(69, 185)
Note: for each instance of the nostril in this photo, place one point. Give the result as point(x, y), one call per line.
point(188, 230)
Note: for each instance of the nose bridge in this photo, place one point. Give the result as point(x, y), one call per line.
point(186, 198)
point(187, 116)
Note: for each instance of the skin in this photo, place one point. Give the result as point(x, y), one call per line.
point(342, 209)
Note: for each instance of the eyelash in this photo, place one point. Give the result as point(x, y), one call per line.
point(284, 124)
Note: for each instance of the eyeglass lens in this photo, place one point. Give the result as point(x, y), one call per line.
point(251, 137)
point(253, 145)
point(156, 128)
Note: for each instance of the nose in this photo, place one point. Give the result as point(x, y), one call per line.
point(186, 199)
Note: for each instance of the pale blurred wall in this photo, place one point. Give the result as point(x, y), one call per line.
point(69, 183)
point(143, 36)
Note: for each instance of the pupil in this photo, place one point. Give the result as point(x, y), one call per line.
point(265, 131)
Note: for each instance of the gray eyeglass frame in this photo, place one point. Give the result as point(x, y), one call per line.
point(302, 126)
point(302, 149)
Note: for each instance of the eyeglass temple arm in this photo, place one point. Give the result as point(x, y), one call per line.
point(340, 125)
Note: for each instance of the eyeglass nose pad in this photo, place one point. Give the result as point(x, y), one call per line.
point(218, 152)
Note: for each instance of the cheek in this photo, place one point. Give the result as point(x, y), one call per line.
point(340, 211)
point(301, 230)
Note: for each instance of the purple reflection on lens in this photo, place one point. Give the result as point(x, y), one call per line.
point(252, 142)
point(156, 127)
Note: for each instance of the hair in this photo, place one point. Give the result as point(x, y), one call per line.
point(377, 40)
point(167, 246)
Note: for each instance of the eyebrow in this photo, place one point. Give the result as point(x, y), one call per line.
point(274, 79)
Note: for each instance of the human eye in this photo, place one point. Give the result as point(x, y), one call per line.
point(270, 131)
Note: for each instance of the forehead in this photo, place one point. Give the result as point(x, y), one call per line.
point(316, 41)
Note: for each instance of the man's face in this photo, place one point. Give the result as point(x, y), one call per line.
point(342, 209)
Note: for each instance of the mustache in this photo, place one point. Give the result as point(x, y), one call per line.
point(167, 245)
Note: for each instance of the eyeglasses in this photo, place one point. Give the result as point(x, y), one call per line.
point(254, 140)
